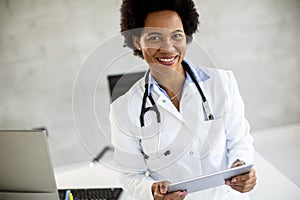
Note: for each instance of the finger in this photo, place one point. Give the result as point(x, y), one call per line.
point(182, 194)
point(231, 181)
point(238, 188)
point(244, 183)
point(227, 182)
point(163, 186)
point(249, 183)
point(179, 195)
point(244, 188)
point(237, 164)
point(157, 195)
point(251, 175)
point(252, 172)
point(242, 178)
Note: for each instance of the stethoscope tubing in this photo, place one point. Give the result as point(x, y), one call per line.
point(146, 109)
point(154, 108)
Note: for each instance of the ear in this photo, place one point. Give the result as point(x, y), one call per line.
point(136, 42)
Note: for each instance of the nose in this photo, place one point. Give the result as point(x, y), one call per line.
point(167, 46)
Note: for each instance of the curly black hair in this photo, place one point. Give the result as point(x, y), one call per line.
point(134, 13)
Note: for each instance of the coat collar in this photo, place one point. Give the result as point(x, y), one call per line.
point(199, 74)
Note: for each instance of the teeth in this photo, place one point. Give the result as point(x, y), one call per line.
point(166, 59)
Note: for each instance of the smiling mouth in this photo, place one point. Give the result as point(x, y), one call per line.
point(170, 60)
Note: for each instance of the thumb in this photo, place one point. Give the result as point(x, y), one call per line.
point(237, 163)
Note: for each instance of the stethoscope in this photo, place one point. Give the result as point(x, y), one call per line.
point(153, 106)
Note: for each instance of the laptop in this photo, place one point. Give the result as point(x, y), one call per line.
point(26, 171)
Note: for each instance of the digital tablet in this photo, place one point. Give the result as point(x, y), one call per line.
point(208, 181)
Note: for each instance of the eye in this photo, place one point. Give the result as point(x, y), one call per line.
point(177, 36)
point(154, 38)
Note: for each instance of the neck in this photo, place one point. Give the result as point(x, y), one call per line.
point(172, 82)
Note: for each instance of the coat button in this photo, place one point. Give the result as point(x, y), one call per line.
point(164, 101)
point(147, 173)
point(191, 152)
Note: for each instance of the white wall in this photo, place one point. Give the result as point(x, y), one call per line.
point(259, 41)
point(43, 42)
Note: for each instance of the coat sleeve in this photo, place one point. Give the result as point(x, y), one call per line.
point(238, 138)
point(128, 157)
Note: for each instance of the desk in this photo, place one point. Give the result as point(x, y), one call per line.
point(80, 175)
point(281, 147)
point(271, 184)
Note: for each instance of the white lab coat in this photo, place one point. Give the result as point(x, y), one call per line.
point(196, 146)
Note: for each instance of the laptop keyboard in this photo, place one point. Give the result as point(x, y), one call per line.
point(92, 194)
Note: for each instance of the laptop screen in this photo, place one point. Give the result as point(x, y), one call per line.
point(26, 170)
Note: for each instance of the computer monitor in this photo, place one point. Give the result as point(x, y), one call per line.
point(119, 84)
point(26, 171)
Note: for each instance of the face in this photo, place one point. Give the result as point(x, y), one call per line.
point(163, 41)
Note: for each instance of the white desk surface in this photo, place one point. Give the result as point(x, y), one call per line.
point(271, 184)
point(281, 147)
point(82, 176)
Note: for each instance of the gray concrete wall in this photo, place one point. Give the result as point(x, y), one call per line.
point(43, 43)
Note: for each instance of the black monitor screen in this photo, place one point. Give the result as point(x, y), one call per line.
point(119, 84)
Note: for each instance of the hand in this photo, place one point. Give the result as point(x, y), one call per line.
point(159, 190)
point(242, 183)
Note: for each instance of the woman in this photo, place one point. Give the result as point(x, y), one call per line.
point(179, 121)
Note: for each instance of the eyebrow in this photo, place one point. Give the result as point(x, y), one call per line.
point(178, 31)
point(158, 33)
point(154, 33)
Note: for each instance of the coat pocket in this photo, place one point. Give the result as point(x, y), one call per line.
point(210, 134)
